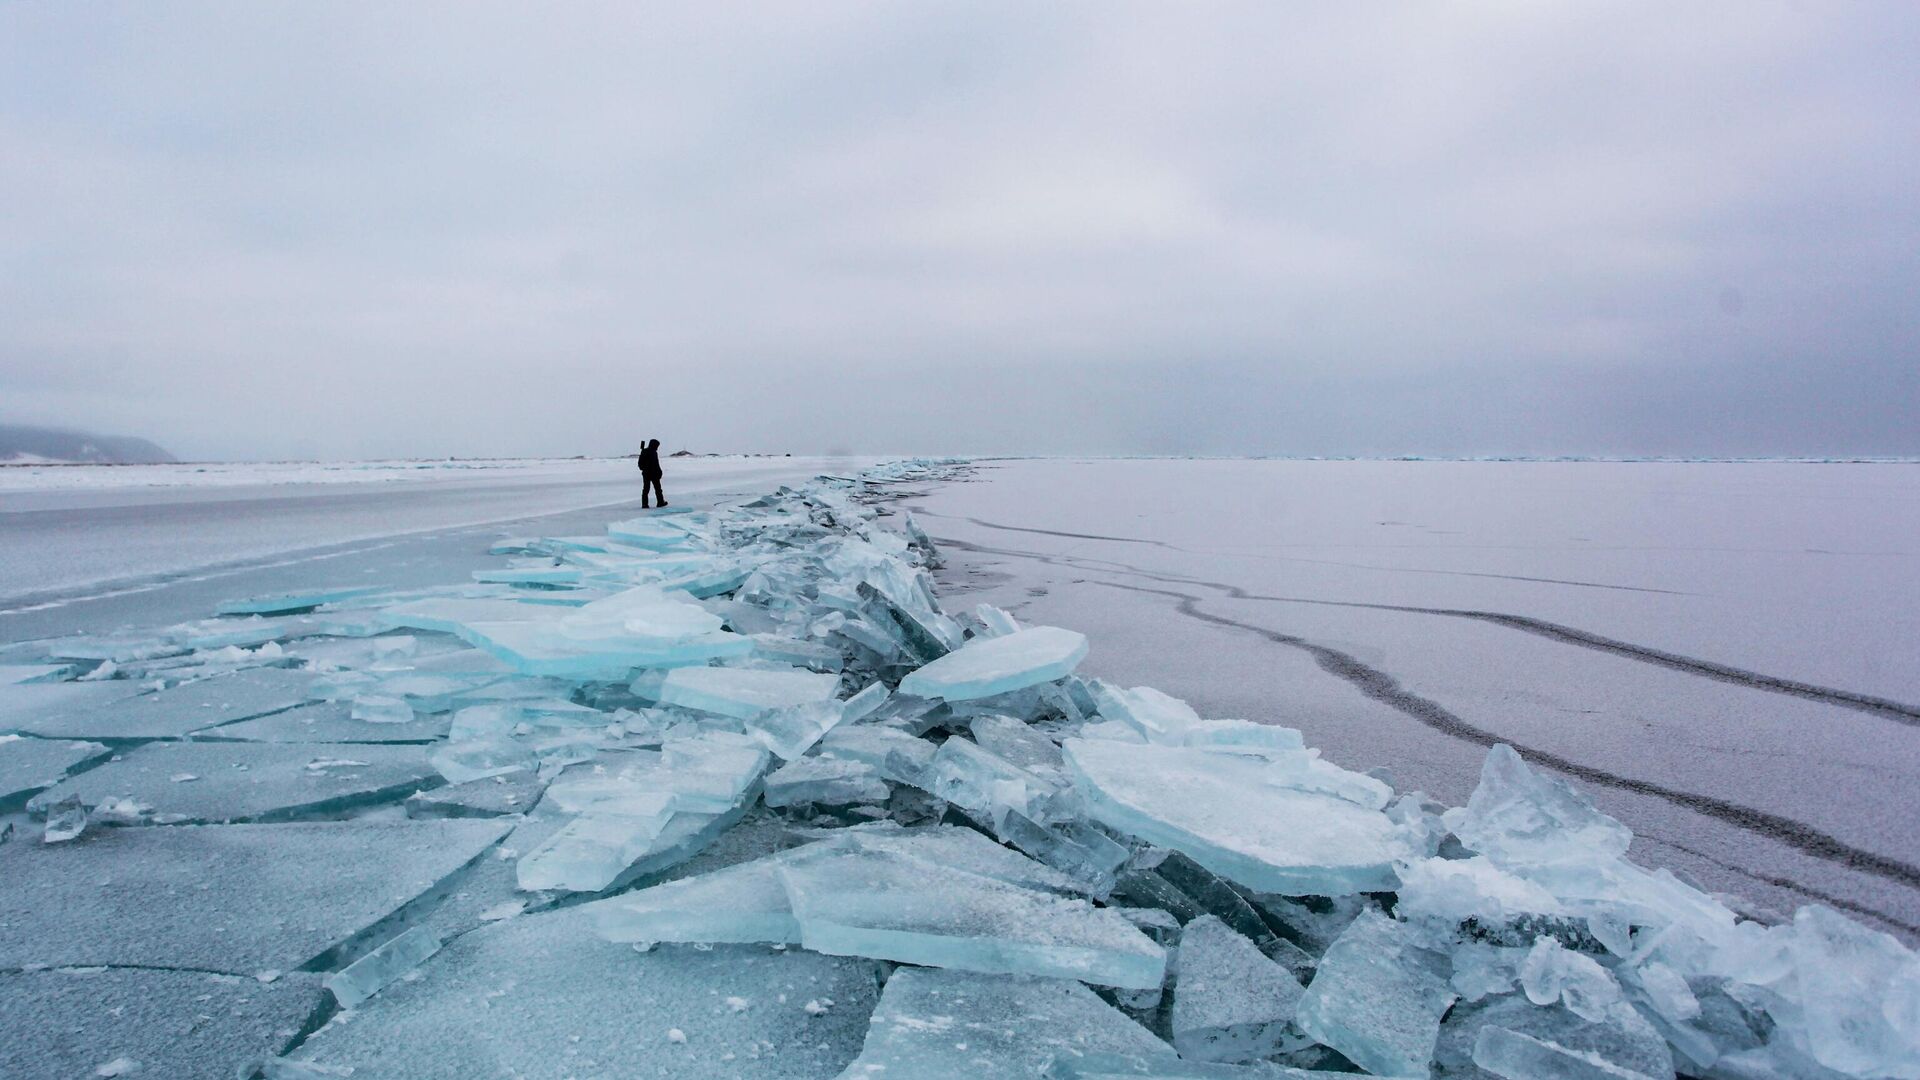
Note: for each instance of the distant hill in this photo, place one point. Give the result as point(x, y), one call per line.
point(19, 443)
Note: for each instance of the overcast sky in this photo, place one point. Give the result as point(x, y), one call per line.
point(330, 229)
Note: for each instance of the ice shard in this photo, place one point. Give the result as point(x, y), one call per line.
point(1223, 811)
point(372, 973)
point(1230, 1003)
point(1519, 817)
point(1377, 997)
point(988, 666)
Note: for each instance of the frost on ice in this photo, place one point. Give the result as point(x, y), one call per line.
point(728, 792)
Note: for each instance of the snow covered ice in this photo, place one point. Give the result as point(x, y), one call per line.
point(726, 791)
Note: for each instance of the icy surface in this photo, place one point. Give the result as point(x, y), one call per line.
point(543, 996)
point(31, 765)
point(232, 898)
point(64, 1024)
point(234, 781)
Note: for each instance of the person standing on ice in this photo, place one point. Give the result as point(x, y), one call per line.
point(650, 474)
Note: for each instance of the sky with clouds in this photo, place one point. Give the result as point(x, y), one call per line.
point(338, 229)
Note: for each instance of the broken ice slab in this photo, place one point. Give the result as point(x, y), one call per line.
point(1157, 717)
point(173, 712)
point(651, 533)
point(1167, 1067)
point(988, 666)
point(13, 674)
point(822, 781)
point(937, 1024)
point(590, 852)
point(219, 897)
point(330, 722)
point(477, 759)
point(998, 622)
point(1079, 850)
point(958, 848)
point(491, 796)
point(744, 692)
point(740, 904)
point(1854, 998)
point(645, 612)
point(1511, 1037)
point(62, 1024)
point(448, 615)
point(713, 580)
point(52, 710)
point(28, 766)
point(541, 648)
point(381, 709)
point(542, 995)
point(262, 782)
point(969, 777)
point(709, 774)
point(112, 648)
point(1519, 817)
point(1223, 812)
point(1230, 1003)
point(888, 906)
point(373, 972)
point(798, 652)
point(1015, 741)
point(1242, 735)
point(244, 633)
point(529, 575)
point(1378, 997)
point(65, 820)
point(290, 603)
point(897, 755)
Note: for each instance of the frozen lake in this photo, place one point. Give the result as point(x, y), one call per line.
point(393, 825)
point(1722, 654)
point(85, 533)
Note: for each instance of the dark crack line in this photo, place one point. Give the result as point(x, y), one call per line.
point(1885, 708)
point(1313, 562)
point(1792, 886)
point(1384, 688)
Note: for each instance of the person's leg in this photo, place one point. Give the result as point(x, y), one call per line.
point(658, 492)
point(646, 489)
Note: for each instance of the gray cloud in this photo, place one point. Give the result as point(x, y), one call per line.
point(257, 230)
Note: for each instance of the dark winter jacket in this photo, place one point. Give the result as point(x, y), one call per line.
point(650, 461)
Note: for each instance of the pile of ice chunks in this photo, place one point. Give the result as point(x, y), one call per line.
point(1050, 875)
